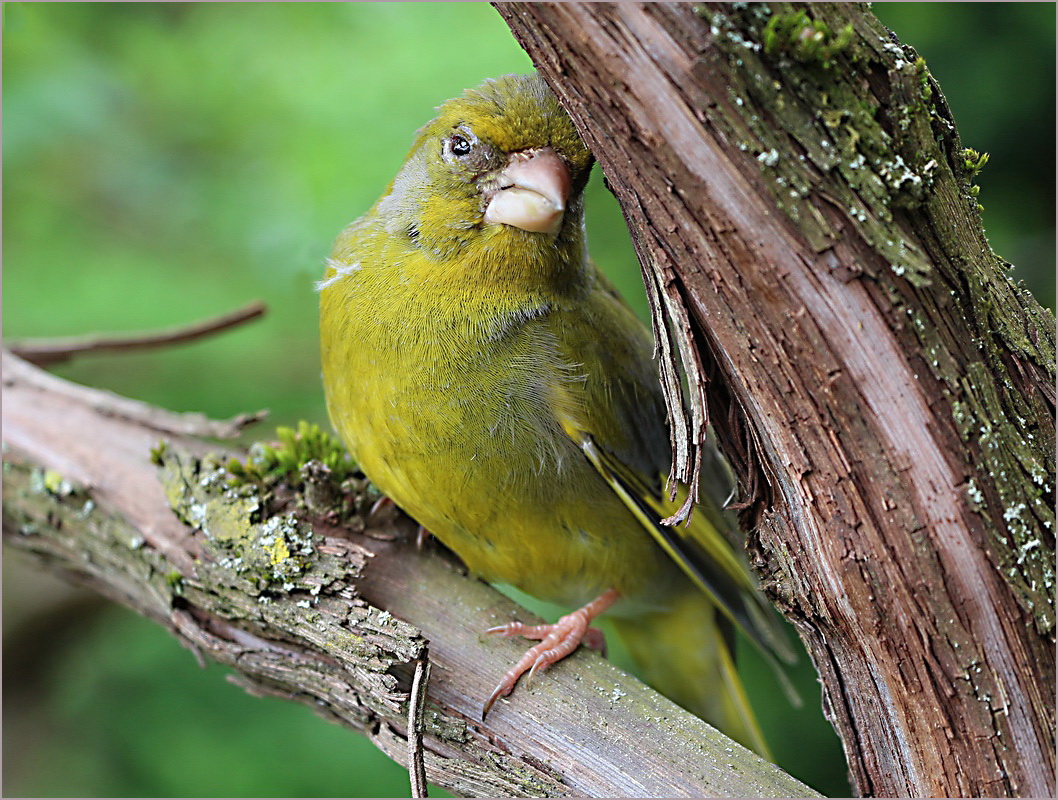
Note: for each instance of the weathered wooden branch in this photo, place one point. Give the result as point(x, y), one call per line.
point(811, 245)
point(332, 618)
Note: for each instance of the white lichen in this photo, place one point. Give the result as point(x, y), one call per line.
point(769, 158)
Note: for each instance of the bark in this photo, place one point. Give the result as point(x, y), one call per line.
point(804, 213)
point(332, 618)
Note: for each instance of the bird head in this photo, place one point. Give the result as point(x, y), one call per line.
point(502, 163)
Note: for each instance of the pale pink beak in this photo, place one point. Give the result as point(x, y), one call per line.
point(534, 187)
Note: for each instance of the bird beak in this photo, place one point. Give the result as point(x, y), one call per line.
point(532, 194)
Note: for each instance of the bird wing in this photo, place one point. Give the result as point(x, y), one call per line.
point(621, 432)
point(701, 551)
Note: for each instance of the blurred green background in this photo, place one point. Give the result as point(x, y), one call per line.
point(164, 163)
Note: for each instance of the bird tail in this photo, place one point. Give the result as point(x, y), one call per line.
point(686, 652)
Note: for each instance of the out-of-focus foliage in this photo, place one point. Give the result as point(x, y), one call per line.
point(168, 162)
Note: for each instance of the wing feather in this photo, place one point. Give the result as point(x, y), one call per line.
point(724, 579)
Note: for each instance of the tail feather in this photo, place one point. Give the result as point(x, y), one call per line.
point(683, 652)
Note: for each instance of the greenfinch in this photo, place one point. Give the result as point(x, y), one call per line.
point(490, 380)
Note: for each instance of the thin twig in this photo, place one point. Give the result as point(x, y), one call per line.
point(44, 352)
point(416, 707)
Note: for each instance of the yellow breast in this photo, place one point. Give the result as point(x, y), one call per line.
point(451, 412)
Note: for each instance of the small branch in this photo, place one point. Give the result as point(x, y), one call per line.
point(45, 352)
point(416, 707)
point(344, 630)
point(156, 419)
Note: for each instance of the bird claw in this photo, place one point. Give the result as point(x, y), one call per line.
point(382, 511)
point(556, 642)
point(500, 691)
point(538, 665)
point(515, 628)
point(422, 536)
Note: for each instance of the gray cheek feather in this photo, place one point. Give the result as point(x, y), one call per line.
point(400, 207)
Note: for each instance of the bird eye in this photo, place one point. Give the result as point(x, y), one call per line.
point(464, 151)
point(459, 146)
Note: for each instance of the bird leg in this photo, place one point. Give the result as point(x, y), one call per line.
point(556, 642)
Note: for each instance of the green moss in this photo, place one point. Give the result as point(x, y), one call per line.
point(972, 163)
point(441, 726)
point(519, 775)
point(51, 482)
point(175, 581)
point(923, 79)
point(1024, 545)
point(158, 453)
point(804, 39)
point(312, 463)
point(837, 131)
point(270, 463)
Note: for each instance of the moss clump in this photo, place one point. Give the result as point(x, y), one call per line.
point(283, 461)
point(972, 163)
point(313, 464)
point(158, 453)
point(843, 147)
point(262, 548)
point(1019, 482)
point(923, 79)
point(804, 39)
point(175, 581)
point(256, 513)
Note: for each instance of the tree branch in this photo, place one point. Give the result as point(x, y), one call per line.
point(805, 217)
point(46, 352)
point(336, 619)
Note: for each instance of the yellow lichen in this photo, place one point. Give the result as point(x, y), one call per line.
point(278, 550)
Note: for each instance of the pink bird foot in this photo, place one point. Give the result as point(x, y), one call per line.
point(556, 642)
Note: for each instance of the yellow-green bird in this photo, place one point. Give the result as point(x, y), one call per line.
point(490, 380)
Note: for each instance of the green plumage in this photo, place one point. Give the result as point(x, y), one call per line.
point(492, 383)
